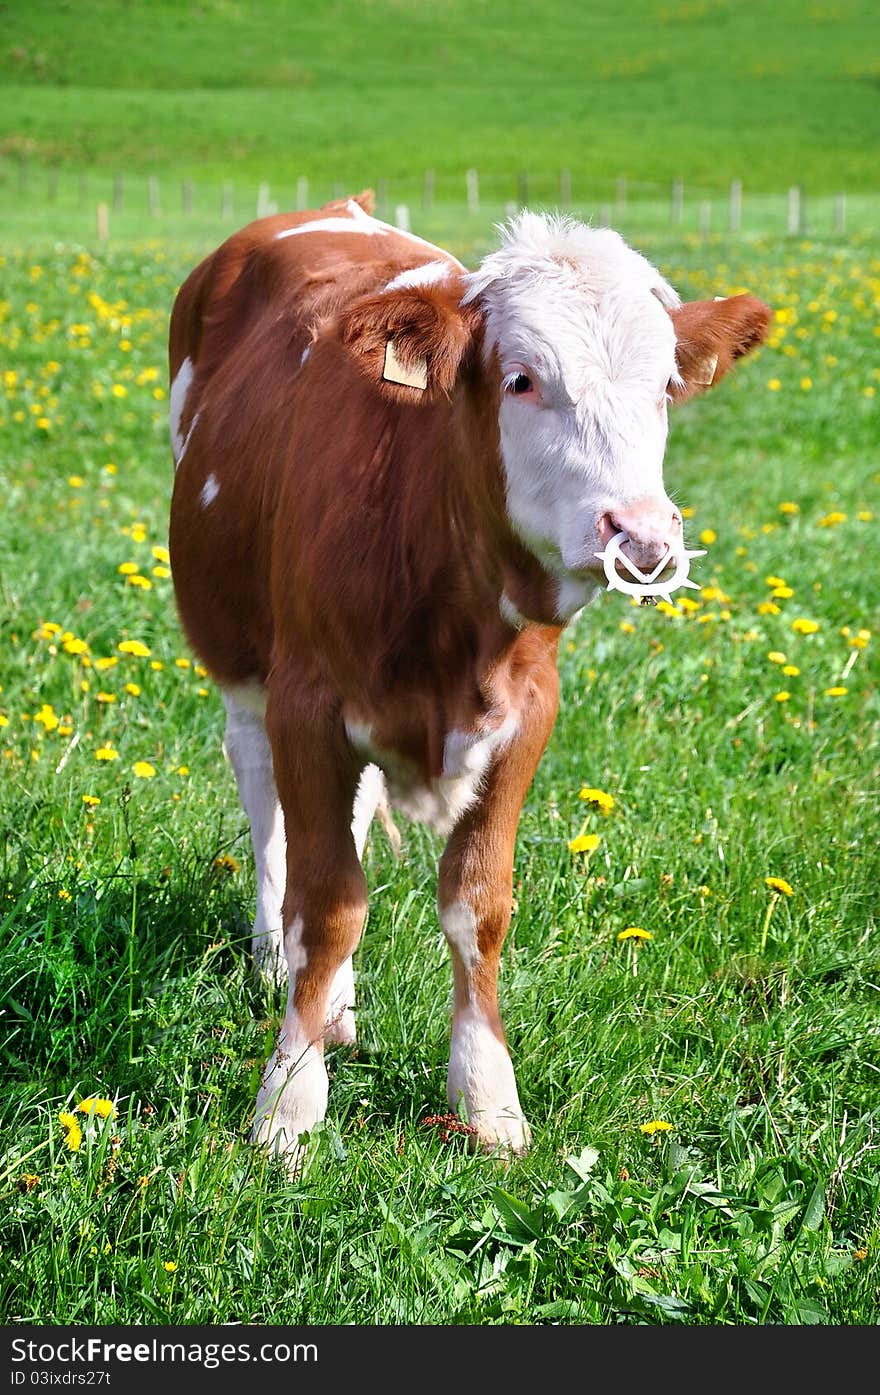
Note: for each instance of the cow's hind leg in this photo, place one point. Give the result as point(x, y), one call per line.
point(475, 899)
point(247, 747)
point(323, 911)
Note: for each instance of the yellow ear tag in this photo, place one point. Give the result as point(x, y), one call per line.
point(395, 372)
point(705, 371)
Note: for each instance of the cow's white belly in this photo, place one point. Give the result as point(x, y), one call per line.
point(466, 759)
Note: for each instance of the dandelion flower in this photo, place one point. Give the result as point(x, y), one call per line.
point(143, 769)
point(779, 884)
point(783, 696)
point(634, 932)
point(170, 1265)
point(585, 843)
point(789, 507)
point(839, 691)
point(135, 647)
point(226, 865)
point(776, 656)
point(791, 670)
point(96, 1104)
point(106, 753)
point(603, 801)
point(90, 800)
point(72, 1131)
point(708, 536)
point(655, 1126)
point(804, 627)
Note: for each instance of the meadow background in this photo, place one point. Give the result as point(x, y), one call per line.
point(704, 1097)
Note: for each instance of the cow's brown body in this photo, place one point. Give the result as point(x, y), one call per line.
point(345, 566)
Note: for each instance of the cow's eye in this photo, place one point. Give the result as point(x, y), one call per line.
point(519, 383)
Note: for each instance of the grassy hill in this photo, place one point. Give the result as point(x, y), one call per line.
point(709, 89)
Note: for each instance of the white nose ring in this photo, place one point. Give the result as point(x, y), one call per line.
point(647, 587)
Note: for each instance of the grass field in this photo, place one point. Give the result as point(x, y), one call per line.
point(747, 1022)
point(705, 1101)
point(711, 90)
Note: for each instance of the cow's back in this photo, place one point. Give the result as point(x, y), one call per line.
point(241, 333)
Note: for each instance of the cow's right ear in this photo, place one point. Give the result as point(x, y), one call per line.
point(411, 340)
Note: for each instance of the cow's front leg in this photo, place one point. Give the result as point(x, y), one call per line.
point(323, 914)
point(475, 899)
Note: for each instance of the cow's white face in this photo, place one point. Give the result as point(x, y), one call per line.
point(576, 322)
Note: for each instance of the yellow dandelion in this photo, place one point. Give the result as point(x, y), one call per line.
point(96, 1104)
point(170, 1266)
point(584, 843)
point(161, 554)
point(774, 384)
point(72, 1131)
point(802, 626)
point(105, 697)
point(604, 802)
point(655, 1126)
point(143, 582)
point(106, 753)
point(864, 515)
point(133, 689)
point(182, 663)
point(838, 691)
point(775, 580)
point(791, 670)
point(225, 865)
point(143, 769)
point(627, 628)
point(635, 932)
point(127, 568)
point(832, 519)
point(708, 536)
point(783, 696)
point(789, 507)
point(90, 800)
point(46, 717)
point(135, 647)
point(806, 384)
point(769, 608)
point(182, 770)
point(75, 481)
point(782, 593)
point(29, 1181)
point(776, 656)
point(779, 884)
point(103, 664)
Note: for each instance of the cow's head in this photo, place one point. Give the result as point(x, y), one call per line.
point(583, 345)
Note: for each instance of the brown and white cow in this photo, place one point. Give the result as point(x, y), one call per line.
point(393, 476)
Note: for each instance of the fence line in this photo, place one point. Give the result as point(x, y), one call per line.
point(630, 205)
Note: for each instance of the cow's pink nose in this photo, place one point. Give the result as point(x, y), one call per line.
point(652, 528)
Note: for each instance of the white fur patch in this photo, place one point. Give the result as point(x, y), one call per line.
point(466, 758)
point(481, 1076)
point(210, 490)
point(428, 274)
point(510, 614)
point(459, 925)
point(176, 403)
point(361, 222)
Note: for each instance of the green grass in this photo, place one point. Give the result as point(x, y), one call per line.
point(711, 90)
point(123, 957)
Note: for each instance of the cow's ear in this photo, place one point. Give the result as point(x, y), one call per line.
point(711, 335)
point(411, 341)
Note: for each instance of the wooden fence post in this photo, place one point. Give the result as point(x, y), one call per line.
point(676, 207)
point(102, 221)
point(793, 222)
point(473, 191)
point(840, 213)
point(705, 218)
point(401, 217)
